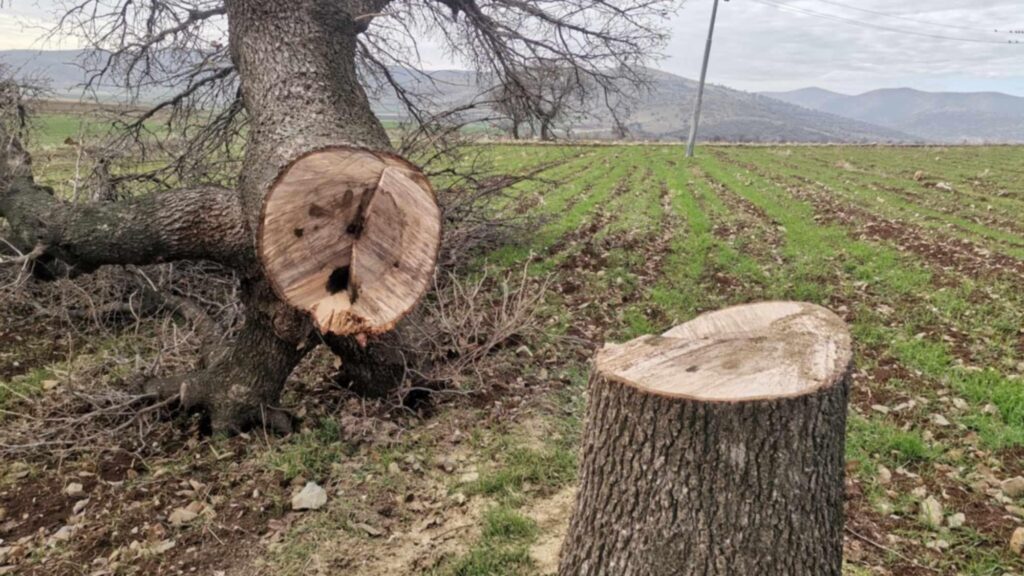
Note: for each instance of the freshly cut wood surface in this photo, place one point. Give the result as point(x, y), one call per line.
point(758, 351)
point(351, 236)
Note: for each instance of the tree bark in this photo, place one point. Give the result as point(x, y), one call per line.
point(716, 449)
point(296, 64)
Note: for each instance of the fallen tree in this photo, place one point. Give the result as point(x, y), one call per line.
point(330, 233)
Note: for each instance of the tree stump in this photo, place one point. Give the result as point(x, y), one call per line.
point(717, 449)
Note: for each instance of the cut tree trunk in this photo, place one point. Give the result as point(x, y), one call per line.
point(327, 230)
point(717, 449)
point(351, 237)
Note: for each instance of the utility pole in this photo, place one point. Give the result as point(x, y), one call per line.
point(700, 89)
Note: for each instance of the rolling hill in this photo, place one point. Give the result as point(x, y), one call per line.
point(978, 117)
point(661, 114)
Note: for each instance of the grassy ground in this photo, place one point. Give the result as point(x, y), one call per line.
point(921, 250)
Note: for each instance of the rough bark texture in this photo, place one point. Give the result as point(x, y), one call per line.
point(672, 485)
point(296, 64)
point(296, 61)
point(192, 223)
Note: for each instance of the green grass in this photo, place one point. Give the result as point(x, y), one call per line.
point(550, 468)
point(503, 547)
point(24, 386)
point(309, 454)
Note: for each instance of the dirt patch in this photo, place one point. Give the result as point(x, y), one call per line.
point(552, 518)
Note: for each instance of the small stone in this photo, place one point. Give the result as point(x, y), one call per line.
point(880, 409)
point(182, 516)
point(61, 535)
point(79, 506)
point(884, 476)
point(469, 477)
point(956, 520)
point(1013, 487)
point(919, 492)
point(459, 498)
point(74, 489)
point(1015, 510)
point(1017, 541)
point(960, 403)
point(446, 464)
point(50, 384)
point(370, 530)
point(931, 512)
point(161, 547)
point(311, 497)
point(394, 468)
point(919, 175)
point(939, 420)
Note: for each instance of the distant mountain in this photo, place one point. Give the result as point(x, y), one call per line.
point(813, 98)
point(661, 114)
point(736, 116)
point(664, 113)
point(975, 117)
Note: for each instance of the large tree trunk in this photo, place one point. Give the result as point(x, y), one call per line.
point(717, 449)
point(347, 233)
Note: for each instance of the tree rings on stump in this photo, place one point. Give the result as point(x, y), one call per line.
point(717, 448)
point(352, 237)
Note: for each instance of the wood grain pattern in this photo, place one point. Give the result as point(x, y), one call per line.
point(757, 351)
point(351, 237)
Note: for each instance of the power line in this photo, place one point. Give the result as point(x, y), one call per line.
point(843, 19)
point(907, 18)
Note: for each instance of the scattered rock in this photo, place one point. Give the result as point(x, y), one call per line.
point(74, 489)
point(884, 476)
point(880, 409)
point(946, 186)
point(394, 469)
point(446, 464)
point(956, 520)
point(931, 512)
point(939, 420)
point(1016, 511)
point(182, 516)
point(160, 547)
point(1013, 487)
point(1017, 541)
point(61, 535)
point(960, 403)
point(371, 530)
point(469, 477)
point(79, 506)
point(311, 497)
point(459, 498)
point(919, 175)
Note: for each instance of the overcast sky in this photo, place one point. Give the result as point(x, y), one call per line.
point(760, 46)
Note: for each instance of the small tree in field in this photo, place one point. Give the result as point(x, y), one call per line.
point(331, 234)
